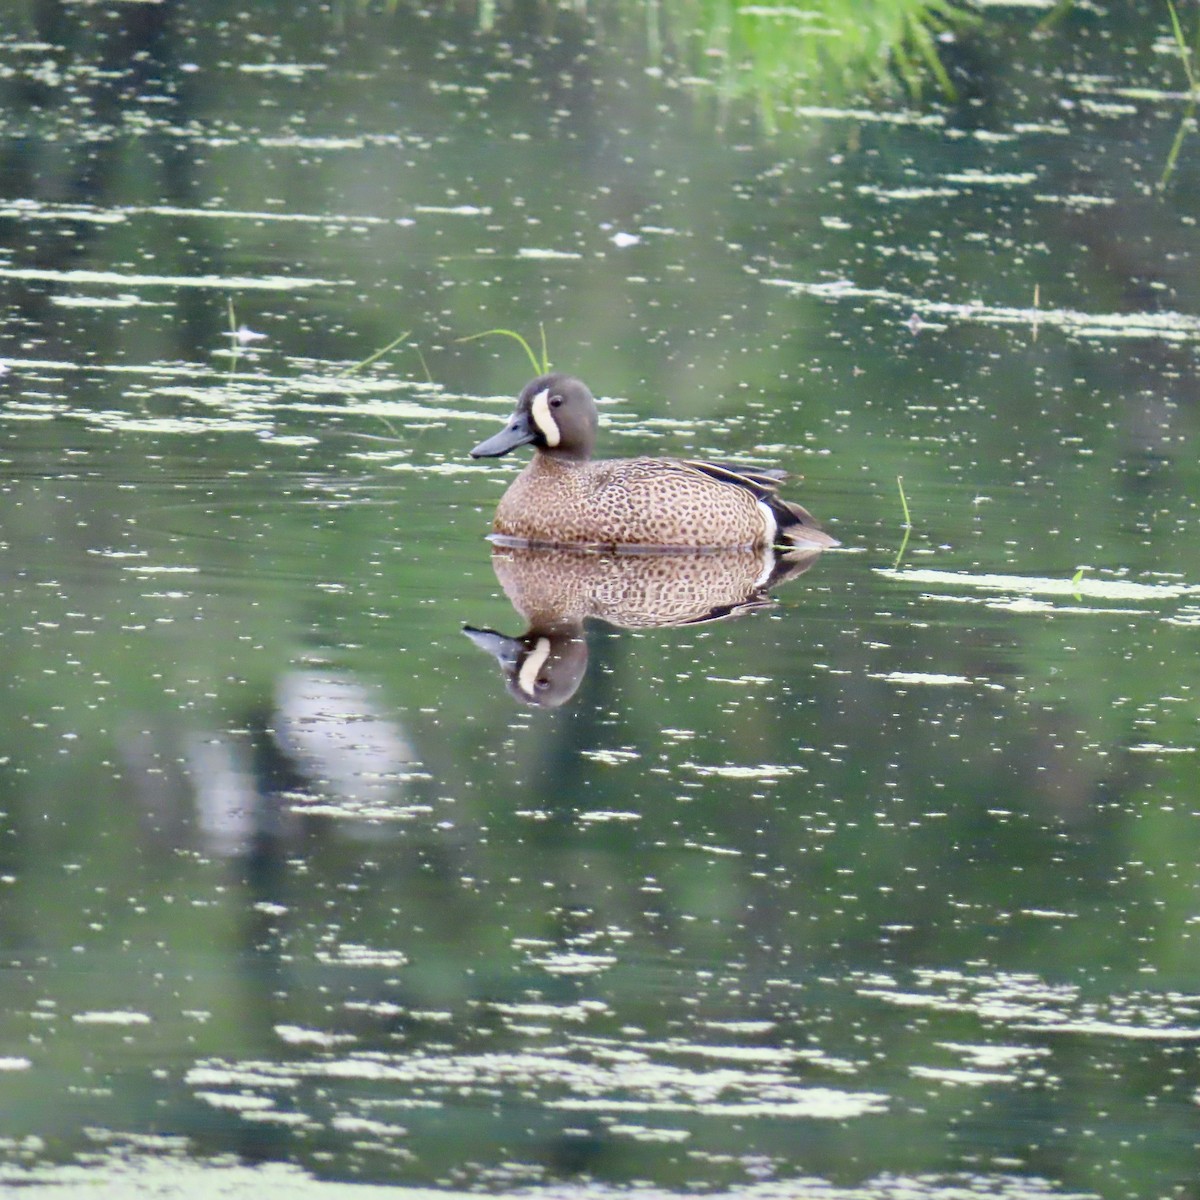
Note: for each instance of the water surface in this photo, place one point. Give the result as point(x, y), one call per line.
point(888, 887)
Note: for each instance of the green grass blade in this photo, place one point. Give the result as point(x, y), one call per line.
point(474, 337)
point(908, 527)
point(1185, 53)
point(1176, 146)
point(366, 362)
point(233, 336)
point(1054, 16)
point(904, 502)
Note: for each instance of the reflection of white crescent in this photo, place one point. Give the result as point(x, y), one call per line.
point(532, 666)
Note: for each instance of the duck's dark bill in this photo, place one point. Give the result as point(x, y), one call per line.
point(518, 432)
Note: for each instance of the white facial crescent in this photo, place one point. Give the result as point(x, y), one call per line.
point(540, 411)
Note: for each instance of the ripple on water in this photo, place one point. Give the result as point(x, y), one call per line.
point(1028, 1003)
point(1165, 326)
point(635, 1082)
point(141, 1173)
point(251, 283)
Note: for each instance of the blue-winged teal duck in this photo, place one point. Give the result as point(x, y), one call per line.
point(564, 497)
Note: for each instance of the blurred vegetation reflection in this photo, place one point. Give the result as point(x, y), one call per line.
point(781, 55)
point(777, 55)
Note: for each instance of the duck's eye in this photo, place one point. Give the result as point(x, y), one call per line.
point(541, 683)
point(556, 401)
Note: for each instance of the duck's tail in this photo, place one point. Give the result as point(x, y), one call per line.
point(796, 527)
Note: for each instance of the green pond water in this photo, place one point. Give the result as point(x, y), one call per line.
point(889, 887)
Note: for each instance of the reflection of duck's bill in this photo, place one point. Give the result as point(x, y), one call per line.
point(504, 649)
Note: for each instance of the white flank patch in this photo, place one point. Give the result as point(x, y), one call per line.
point(772, 526)
point(527, 675)
point(540, 411)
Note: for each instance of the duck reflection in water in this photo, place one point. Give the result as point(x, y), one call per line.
point(636, 542)
point(557, 589)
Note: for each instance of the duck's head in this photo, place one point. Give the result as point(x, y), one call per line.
point(556, 413)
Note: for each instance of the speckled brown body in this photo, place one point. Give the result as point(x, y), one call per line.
point(650, 502)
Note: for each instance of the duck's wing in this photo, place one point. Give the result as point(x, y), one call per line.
point(763, 484)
